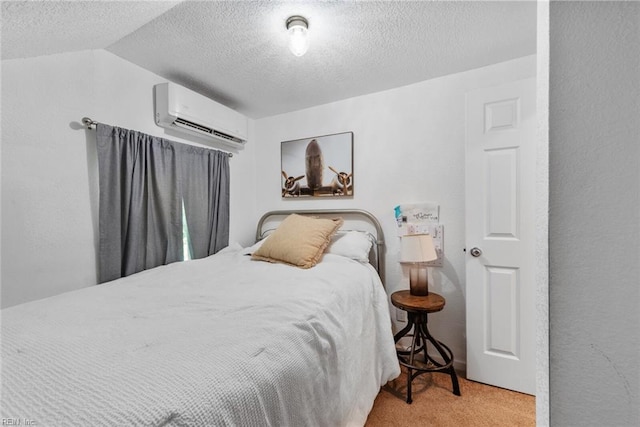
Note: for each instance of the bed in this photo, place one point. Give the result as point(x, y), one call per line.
point(221, 341)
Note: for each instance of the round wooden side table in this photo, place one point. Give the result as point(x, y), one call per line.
point(417, 359)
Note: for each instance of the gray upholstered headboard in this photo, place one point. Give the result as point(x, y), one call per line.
point(354, 219)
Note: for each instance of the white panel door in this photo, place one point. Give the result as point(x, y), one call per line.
point(500, 235)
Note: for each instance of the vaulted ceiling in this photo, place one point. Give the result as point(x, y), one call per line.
point(236, 51)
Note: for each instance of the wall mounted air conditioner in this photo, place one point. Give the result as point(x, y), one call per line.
point(186, 111)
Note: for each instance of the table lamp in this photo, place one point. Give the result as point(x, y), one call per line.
point(416, 250)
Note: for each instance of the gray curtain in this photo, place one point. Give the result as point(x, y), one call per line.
point(204, 186)
point(143, 180)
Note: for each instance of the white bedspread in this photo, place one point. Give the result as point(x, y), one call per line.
point(222, 341)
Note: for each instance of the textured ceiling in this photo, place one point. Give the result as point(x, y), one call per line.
point(236, 51)
point(34, 28)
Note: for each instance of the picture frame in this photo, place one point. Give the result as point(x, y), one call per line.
point(320, 166)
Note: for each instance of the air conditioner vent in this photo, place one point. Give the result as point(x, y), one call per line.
point(229, 137)
point(186, 123)
point(200, 128)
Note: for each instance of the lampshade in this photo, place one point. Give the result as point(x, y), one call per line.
point(417, 248)
point(298, 41)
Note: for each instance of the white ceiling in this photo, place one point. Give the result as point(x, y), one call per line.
point(236, 51)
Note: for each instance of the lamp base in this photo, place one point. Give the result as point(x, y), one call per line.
point(418, 283)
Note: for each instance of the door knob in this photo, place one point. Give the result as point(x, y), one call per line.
point(476, 252)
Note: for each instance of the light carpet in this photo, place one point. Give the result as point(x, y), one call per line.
point(435, 405)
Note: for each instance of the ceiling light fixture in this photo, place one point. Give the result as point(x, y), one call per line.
point(298, 27)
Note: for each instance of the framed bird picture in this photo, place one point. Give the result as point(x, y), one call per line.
point(321, 166)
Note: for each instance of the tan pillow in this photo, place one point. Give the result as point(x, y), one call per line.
point(299, 240)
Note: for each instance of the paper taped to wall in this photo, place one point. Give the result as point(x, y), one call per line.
point(417, 213)
point(422, 218)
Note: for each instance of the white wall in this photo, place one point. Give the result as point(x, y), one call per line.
point(408, 147)
point(49, 165)
point(594, 220)
point(542, 215)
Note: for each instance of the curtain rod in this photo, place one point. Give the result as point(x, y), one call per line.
point(91, 124)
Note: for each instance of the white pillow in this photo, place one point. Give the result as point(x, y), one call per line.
point(352, 244)
point(251, 249)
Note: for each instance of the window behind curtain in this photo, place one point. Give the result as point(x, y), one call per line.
point(187, 251)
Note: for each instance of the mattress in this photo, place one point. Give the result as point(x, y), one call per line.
point(220, 341)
